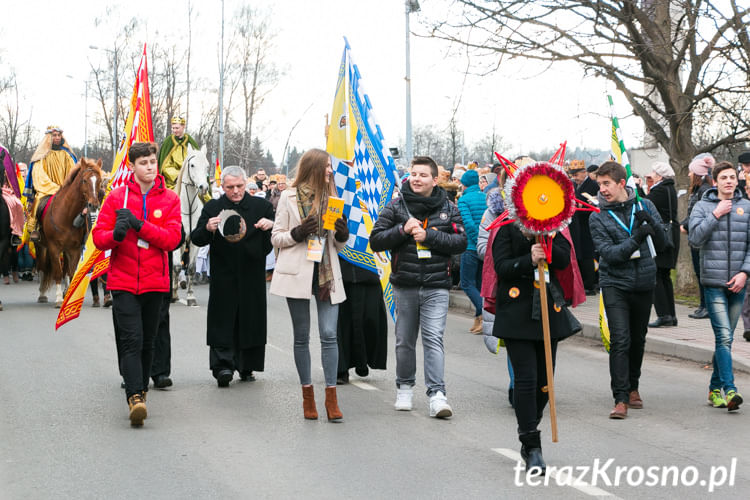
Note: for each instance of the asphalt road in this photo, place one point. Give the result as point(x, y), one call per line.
point(64, 431)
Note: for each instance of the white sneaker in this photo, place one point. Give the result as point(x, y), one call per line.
point(403, 399)
point(439, 406)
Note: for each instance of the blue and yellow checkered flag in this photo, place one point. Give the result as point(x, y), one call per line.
point(364, 170)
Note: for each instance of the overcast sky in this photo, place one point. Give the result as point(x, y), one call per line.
point(44, 41)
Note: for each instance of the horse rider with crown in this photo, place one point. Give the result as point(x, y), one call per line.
point(173, 152)
point(49, 166)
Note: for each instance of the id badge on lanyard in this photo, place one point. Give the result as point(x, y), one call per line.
point(423, 252)
point(315, 249)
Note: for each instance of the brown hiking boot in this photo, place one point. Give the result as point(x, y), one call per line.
point(138, 411)
point(635, 400)
point(619, 412)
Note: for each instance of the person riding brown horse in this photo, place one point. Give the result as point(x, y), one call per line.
point(59, 248)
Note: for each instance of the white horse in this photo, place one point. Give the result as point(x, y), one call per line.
point(192, 184)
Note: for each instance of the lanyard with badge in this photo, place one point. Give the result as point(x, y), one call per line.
point(629, 230)
point(423, 251)
point(315, 245)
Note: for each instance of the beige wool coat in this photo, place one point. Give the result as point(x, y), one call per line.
point(293, 274)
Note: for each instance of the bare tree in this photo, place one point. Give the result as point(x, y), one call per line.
point(15, 132)
point(251, 71)
point(682, 65)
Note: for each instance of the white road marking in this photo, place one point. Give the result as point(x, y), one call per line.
point(581, 486)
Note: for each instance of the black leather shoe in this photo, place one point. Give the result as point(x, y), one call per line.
point(663, 321)
point(247, 376)
point(700, 313)
point(224, 377)
point(162, 382)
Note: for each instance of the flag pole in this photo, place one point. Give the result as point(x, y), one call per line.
point(550, 388)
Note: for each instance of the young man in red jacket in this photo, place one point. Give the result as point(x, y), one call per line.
point(140, 222)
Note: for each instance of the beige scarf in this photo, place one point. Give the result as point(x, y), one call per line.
point(305, 201)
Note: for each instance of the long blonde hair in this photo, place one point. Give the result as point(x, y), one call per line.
point(311, 171)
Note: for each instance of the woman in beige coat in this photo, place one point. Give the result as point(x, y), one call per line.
point(308, 266)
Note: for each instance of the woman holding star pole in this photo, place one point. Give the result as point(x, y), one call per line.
point(542, 201)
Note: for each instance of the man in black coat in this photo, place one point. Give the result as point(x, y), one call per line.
point(236, 329)
point(422, 229)
point(586, 190)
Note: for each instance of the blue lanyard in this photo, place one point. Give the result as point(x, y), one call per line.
point(622, 224)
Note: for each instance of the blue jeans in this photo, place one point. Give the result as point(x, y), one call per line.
point(328, 317)
point(724, 308)
point(471, 278)
point(426, 307)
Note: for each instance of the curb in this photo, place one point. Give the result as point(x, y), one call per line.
point(655, 344)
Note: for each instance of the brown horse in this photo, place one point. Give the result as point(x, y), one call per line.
point(59, 248)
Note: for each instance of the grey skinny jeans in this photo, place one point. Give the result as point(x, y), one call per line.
point(328, 315)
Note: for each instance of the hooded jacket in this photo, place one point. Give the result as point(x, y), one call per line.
point(723, 242)
point(615, 245)
point(445, 236)
point(133, 268)
point(472, 205)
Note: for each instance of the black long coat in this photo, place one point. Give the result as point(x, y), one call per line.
point(237, 298)
point(662, 196)
point(363, 323)
point(579, 228)
point(517, 311)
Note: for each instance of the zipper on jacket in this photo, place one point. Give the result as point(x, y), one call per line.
point(729, 247)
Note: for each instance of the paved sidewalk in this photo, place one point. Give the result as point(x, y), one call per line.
point(692, 339)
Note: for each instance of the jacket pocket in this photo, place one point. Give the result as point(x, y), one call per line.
point(286, 262)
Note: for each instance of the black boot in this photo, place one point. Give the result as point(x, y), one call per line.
point(531, 451)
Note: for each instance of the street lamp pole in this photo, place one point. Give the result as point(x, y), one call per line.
point(86, 122)
point(114, 114)
point(410, 6)
point(221, 91)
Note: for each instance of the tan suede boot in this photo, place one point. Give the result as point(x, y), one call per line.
point(308, 403)
point(476, 329)
point(332, 404)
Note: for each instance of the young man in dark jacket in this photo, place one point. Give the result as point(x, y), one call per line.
point(627, 276)
point(140, 223)
point(422, 230)
point(720, 228)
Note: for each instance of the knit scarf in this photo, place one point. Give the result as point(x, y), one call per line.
point(305, 202)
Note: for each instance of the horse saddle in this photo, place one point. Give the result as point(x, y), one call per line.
point(41, 209)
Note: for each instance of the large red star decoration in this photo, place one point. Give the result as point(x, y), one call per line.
point(540, 198)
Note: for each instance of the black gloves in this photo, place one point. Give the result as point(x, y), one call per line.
point(132, 220)
point(642, 231)
point(121, 229)
point(342, 229)
point(643, 216)
point(308, 226)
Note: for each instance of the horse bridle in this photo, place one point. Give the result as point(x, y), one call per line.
point(88, 205)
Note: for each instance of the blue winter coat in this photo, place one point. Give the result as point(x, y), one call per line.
point(472, 205)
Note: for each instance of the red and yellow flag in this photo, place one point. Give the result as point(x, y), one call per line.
point(138, 128)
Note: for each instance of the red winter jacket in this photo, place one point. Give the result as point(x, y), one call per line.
point(133, 268)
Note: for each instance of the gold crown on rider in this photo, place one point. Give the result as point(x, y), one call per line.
point(53, 128)
point(178, 119)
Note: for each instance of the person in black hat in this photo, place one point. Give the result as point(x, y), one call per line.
point(586, 190)
point(743, 161)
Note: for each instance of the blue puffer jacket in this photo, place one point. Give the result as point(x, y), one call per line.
point(723, 242)
point(472, 205)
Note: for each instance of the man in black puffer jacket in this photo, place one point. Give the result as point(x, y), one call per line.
point(422, 229)
point(627, 277)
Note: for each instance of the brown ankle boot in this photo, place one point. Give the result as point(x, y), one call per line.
point(332, 404)
point(308, 403)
